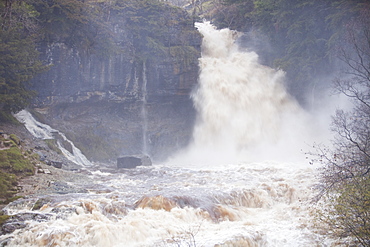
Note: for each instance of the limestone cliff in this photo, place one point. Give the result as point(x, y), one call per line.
point(133, 100)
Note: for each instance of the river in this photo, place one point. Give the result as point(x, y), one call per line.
point(244, 180)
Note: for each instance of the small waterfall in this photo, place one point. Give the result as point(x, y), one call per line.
point(43, 131)
point(144, 113)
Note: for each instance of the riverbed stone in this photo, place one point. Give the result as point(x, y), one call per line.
point(56, 164)
point(132, 161)
point(18, 221)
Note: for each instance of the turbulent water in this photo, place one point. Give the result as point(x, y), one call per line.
point(242, 182)
point(43, 131)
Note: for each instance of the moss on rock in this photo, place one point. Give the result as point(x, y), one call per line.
point(52, 144)
point(15, 163)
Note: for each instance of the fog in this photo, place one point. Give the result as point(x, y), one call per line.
point(245, 111)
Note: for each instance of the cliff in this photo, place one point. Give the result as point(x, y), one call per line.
point(130, 98)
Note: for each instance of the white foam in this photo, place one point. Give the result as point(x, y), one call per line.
point(44, 131)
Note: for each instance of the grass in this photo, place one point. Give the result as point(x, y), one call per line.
point(15, 163)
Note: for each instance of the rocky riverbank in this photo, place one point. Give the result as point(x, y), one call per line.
point(51, 171)
point(44, 173)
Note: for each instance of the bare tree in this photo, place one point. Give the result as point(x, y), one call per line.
point(345, 174)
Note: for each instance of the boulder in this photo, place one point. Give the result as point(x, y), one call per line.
point(132, 161)
point(55, 164)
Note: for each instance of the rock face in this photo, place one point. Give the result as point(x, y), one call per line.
point(133, 161)
point(135, 100)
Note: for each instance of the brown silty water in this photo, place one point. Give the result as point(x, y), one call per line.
point(242, 182)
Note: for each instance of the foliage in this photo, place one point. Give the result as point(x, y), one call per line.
point(345, 211)
point(19, 58)
point(84, 26)
point(345, 175)
point(78, 24)
point(234, 14)
point(7, 117)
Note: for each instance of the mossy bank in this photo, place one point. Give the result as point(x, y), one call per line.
point(16, 162)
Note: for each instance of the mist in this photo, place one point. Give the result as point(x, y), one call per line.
point(245, 112)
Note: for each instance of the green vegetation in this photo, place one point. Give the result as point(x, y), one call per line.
point(14, 164)
point(86, 27)
point(307, 39)
point(27, 24)
point(19, 57)
point(345, 175)
point(348, 212)
point(78, 24)
point(7, 117)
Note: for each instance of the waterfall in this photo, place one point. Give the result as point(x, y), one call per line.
point(144, 113)
point(244, 110)
point(43, 131)
point(215, 195)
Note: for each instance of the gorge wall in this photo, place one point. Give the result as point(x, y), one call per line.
point(132, 100)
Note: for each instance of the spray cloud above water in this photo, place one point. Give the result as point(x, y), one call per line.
point(244, 111)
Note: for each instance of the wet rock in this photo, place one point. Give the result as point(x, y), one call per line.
point(29, 216)
point(40, 203)
point(11, 227)
point(55, 164)
point(64, 213)
point(99, 101)
point(18, 221)
point(5, 241)
point(60, 187)
point(132, 161)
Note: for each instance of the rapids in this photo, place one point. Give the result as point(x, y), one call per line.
point(248, 204)
point(244, 180)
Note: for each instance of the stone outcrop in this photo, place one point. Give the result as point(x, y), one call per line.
point(137, 98)
point(133, 161)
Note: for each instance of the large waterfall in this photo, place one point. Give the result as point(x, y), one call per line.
point(242, 181)
point(244, 111)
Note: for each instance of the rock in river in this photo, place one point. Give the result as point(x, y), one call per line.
point(132, 161)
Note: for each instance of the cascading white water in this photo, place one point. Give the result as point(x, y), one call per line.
point(144, 113)
point(240, 102)
point(222, 199)
point(244, 111)
point(43, 131)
